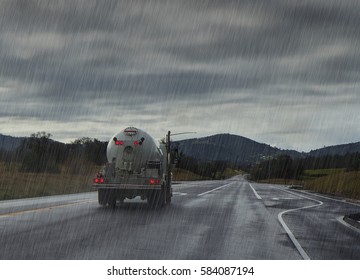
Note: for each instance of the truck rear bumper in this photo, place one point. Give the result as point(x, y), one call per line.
point(126, 187)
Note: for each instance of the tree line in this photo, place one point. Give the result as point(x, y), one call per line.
point(39, 153)
point(285, 167)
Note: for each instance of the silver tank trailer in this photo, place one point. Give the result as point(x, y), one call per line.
point(131, 149)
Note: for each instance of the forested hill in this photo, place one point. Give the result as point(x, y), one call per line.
point(336, 150)
point(10, 143)
point(241, 150)
point(230, 148)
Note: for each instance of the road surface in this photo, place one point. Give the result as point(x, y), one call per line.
point(229, 219)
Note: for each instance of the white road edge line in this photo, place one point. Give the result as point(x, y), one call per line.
point(341, 220)
point(302, 252)
point(329, 198)
point(12, 214)
point(256, 194)
point(218, 188)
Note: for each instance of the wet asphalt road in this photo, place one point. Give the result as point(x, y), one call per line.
point(229, 219)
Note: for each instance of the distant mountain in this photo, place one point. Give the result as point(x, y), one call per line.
point(244, 151)
point(231, 148)
point(336, 150)
point(9, 143)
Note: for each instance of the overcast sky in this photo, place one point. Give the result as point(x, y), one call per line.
point(281, 72)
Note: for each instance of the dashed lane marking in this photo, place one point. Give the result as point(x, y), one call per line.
point(283, 198)
point(256, 194)
point(179, 193)
point(218, 188)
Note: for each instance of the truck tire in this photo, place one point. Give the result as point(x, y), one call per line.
point(162, 196)
point(112, 200)
point(102, 197)
point(168, 195)
point(156, 199)
point(151, 199)
point(107, 197)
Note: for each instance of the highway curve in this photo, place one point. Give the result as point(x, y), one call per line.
point(229, 219)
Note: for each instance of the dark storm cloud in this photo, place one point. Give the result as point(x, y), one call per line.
point(280, 28)
point(67, 59)
point(67, 16)
point(286, 30)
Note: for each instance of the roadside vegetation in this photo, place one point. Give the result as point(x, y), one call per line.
point(186, 175)
point(42, 167)
point(16, 184)
point(340, 183)
point(216, 170)
point(334, 175)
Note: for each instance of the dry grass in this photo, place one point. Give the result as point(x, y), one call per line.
point(327, 181)
point(185, 175)
point(316, 173)
point(228, 173)
point(280, 181)
point(346, 184)
point(15, 184)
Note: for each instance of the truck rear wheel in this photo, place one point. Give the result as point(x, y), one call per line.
point(168, 198)
point(102, 197)
point(156, 199)
point(107, 197)
point(168, 195)
point(112, 200)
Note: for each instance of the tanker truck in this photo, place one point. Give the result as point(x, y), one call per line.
point(136, 166)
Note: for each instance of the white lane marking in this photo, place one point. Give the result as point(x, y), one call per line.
point(179, 193)
point(218, 188)
point(302, 252)
point(341, 220)
point(256, 194)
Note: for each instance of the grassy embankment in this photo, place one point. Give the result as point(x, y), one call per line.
point(327, 181)
point(336, 182)
point(186, 175)
point(15, 184)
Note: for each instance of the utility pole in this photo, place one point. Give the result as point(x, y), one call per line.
point(269, 164)
point(168, 146)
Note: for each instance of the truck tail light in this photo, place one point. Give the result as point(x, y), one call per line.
point(136, 143)
point(118, 142)
point(99, 180)
point(154, 181)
